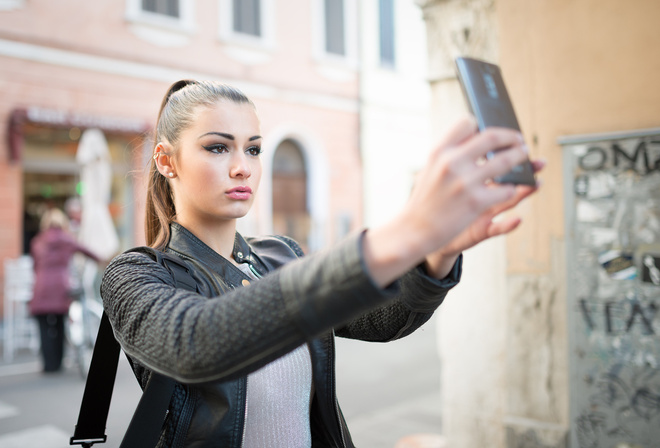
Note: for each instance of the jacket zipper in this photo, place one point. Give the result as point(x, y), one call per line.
point(245, 413)
point(186, 414)
point(247, 377)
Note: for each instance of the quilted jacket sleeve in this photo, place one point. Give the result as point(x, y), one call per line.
point(195, 339)
point(417, 297)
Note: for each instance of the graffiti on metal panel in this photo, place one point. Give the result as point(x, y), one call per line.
point(618, 317)
point(616, 284)
point(643, 157)
point(624, 407)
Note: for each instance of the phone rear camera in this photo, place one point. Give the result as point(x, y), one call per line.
point(491, 87)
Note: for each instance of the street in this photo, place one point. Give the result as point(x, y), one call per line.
point(40, 411)
point(387, 392)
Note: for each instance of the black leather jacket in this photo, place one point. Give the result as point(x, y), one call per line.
point(210, 345)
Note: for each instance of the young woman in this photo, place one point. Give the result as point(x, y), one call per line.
point(254, 364)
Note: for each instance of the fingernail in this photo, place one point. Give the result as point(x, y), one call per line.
point(525, 148)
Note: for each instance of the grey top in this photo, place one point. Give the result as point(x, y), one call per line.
point(278, 400)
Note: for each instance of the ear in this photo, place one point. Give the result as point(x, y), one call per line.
point(164, 160)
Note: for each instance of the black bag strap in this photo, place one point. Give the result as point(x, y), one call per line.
point(144, 428)
point(95, 405)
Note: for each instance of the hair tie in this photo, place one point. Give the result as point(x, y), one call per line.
point(178, 86)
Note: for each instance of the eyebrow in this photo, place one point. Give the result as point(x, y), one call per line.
point(229, 136)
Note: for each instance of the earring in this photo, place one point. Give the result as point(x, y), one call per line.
point(156, 155)
point(171, 174)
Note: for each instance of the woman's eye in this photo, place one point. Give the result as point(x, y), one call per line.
point(254, 150)
point(217, 148)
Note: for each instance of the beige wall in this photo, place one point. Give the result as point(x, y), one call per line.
point(572, 67)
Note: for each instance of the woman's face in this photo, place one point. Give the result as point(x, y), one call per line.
point(217, 164)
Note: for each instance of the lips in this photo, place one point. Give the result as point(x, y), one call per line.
point(241, 193)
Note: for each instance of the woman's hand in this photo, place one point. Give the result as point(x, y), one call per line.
point(454, 192)
point(440, 263)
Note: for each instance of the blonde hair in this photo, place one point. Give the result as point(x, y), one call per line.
point(54, 218)
point(177, 112)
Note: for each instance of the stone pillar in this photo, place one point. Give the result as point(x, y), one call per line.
point(501, 334)
point(471, 334)
point(455, 28)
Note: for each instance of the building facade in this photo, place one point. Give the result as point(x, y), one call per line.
point(70, 66)
point(551, 340)
point(394, 103)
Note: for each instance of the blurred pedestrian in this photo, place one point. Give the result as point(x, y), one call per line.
point(52, 250)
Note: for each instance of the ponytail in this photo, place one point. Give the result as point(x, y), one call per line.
point(160, 210)
point(176, 114)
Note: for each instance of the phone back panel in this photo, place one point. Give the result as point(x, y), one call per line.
point(486, 93)
point(488, 100)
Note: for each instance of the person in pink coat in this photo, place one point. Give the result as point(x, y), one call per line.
point(52, 250)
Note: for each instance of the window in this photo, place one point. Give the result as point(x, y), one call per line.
point(247, 17)
point(10, 5)
point(167, 23)
point(335, 37)
point(291, 216)
point(386, 31)
point(334, 27)
point(165, 7)
point(52, 176)
point(248, 27)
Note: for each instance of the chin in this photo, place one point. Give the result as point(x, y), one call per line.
point(235, 214)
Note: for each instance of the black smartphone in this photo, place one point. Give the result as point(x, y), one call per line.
point(488, 100)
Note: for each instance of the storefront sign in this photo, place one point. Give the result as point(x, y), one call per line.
point(66, 119)
point(60, 118)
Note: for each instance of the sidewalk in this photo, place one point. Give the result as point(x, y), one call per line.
point(417, 419)
point(40, 410)
point(24, 362)
point(389, 394)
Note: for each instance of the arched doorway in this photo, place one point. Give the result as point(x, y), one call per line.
point(291, 215)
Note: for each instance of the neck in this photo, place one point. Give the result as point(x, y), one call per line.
point(218, 236)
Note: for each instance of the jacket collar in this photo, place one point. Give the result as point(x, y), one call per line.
point(185, 243)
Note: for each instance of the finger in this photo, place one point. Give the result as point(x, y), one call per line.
point(460, 131)
point(492, 140)
point(522, 191)
point(496, 195)
point(504, 226)
point(538, 164)
point(502, 162)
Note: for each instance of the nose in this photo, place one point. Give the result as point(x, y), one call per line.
point(240, 167)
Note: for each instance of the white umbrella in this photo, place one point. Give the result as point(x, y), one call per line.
point(97, 230)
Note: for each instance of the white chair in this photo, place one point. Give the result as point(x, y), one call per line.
point(20, 330)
